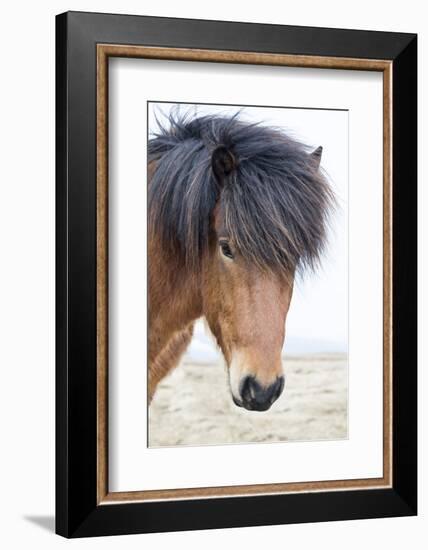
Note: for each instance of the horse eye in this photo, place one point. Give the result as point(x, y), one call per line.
point(225, 248)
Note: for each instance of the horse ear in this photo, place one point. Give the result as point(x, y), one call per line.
point(223, 162)
point(315, 157)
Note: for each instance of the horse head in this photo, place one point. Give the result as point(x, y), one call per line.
point(246, 209)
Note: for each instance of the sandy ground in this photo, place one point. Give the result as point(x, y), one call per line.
point(193, 406)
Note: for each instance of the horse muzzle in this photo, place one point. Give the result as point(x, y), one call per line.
point(255, 397)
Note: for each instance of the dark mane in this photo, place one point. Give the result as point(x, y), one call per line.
point(274, 198)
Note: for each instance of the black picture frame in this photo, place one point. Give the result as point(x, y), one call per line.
point(77, 512)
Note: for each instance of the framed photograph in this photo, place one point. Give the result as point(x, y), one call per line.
point(236, 274)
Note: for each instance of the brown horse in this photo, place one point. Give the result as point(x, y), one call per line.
point(234, 210)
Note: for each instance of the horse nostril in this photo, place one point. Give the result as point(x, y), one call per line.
point(278, 388)
point(247, 389)
point(256, 397)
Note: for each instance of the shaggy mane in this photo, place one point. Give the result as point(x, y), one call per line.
point(274, 199)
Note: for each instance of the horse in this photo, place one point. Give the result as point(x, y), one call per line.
point(236, 210)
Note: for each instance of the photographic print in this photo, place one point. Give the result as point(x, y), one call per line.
point(247, 274)
point(235, 233)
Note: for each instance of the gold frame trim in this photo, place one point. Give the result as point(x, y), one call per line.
point(104, 51)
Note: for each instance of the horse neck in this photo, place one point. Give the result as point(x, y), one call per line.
point(175, 298)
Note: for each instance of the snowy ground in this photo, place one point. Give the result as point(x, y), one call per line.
point(193, 405)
